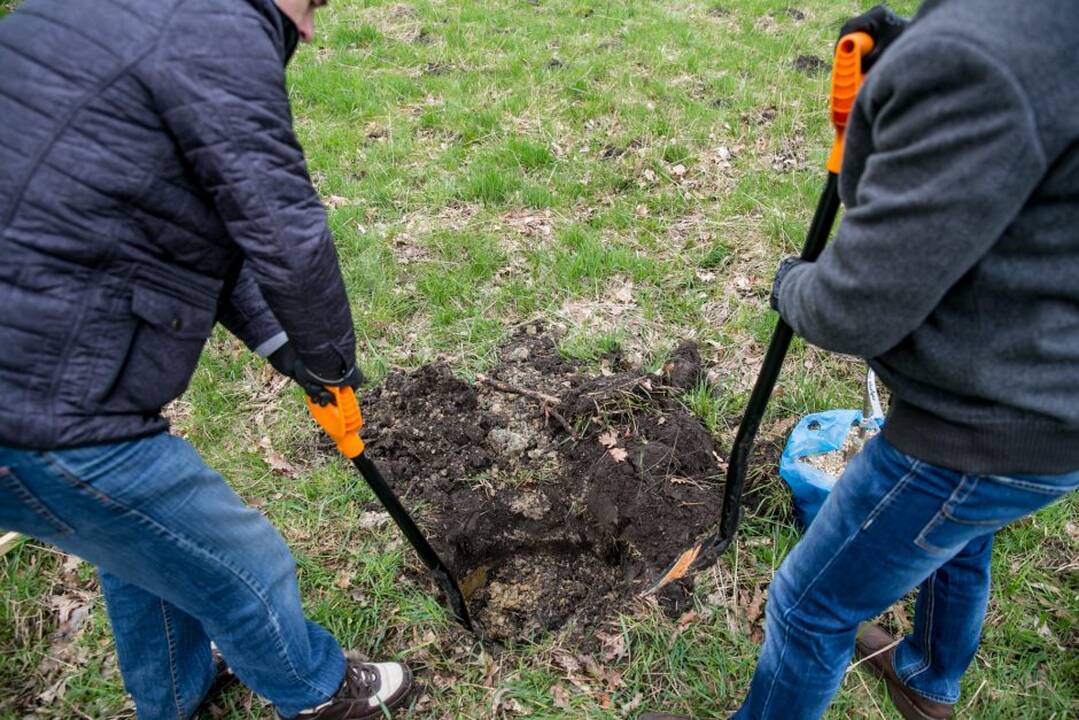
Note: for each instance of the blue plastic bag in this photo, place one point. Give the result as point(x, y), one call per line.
point(815, 434)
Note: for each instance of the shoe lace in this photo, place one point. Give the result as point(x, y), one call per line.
point(361, 681)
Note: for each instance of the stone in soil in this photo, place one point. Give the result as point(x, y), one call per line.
point(548, 532)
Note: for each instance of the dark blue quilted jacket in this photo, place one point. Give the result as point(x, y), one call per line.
point(150, 185)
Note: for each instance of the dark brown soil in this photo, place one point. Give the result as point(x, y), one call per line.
point(547, 531)
point(810, 64)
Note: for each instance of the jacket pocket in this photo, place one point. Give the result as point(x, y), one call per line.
point(157, 355)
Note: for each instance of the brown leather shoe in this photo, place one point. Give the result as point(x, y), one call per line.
point(367, 690)
point(912, 706)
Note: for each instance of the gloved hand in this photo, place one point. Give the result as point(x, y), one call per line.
point(315, 385)
point(881, 24)
point(287, 362)
point(784, 267)
point(283, 360)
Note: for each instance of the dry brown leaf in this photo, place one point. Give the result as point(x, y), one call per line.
point(371, 519)
point(490, 669)
point(619, 454)
point(687, 619)
point(276, 460)
point(623, 293)
point(561, 696)
point(632, 705)
point(608, 439)
point(343, 579)
point(70, 565)
point(899, 615)
point(335, 201)
point(614, 645)
point(508, 704)
point(753, 608)
point(567, 662)
point(278, 463)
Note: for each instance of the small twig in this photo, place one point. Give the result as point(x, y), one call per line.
point(547, 402)
point(884, 649)
point(872, 699)
point(975, 696)
point(548, 410)
point(514, 390)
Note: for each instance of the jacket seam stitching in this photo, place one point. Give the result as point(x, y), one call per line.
point(88, 97)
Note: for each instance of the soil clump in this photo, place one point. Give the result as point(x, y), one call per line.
point(555, 507)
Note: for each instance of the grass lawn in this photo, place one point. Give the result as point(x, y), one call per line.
point(630, 172)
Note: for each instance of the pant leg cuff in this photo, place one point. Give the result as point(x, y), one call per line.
point(908, 678)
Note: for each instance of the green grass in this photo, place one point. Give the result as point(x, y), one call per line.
point(495, 162)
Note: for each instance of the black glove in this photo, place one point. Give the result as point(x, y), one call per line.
point(283, 360)
point(315, 385)
point(784, 267)
point(881, 24)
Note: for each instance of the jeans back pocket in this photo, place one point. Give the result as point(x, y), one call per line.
point(982, 504)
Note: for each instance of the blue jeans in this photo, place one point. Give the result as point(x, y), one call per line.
point(182, 562)
point(891, 523)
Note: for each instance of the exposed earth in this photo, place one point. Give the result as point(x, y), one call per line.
point(556, 507)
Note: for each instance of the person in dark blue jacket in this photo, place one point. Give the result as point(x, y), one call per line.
point(151, 186)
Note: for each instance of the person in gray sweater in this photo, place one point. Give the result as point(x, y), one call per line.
point(955, 271)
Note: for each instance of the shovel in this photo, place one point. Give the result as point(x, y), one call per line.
point(846, 79)
point(342, 421)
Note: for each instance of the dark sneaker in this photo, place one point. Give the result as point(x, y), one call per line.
point(872, 639)
point(367, 690)
point(224, 679)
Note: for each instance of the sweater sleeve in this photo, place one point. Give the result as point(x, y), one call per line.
point(955, 155)
point(218, 81)
point(247, 316)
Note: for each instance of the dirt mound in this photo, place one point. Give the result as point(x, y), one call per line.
point(554, 495)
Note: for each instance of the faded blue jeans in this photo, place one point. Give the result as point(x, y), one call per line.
point(891, 523)
point(182, 562)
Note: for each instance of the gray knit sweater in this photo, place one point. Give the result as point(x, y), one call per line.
point(956, 267)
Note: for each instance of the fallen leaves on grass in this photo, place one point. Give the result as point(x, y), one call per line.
point(334, 202)
point(613, 644)
point(343, 580)
point(370, 519)
point(608, 439)
point(530, 223)
point(72, 612)
point(588, 676)
point(502, 702)
point(276, 460)
point(561, 697)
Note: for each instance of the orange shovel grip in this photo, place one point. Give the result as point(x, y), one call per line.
point(846, 80)
point(341, 420)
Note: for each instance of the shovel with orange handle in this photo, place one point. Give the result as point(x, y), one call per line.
point(846, 80)
point(341, 419)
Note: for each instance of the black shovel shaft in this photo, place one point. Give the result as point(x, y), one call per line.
point(415, 537)
point(737, 463)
